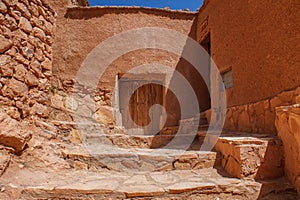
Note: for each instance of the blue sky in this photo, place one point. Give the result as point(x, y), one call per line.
point(193, 5)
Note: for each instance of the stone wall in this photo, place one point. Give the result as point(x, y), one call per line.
point(26, 37)
point(288, 126)
point(258, 117)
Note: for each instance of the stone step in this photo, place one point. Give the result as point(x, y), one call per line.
point(99, 157)
point(255, 156)
point(180, 141)
point(208, 184)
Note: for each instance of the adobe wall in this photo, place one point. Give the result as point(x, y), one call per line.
point(26, 30)
point(79, 30)
point(259, 40)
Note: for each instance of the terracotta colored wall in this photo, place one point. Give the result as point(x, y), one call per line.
point(259, 40)
point(80, 30)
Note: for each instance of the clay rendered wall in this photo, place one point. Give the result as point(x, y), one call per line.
point(259, 40)
point(80, 29)
point(26, 30)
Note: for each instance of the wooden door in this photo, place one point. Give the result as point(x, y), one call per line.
point(140, 103)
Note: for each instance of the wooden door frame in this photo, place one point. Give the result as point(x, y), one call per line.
point(159, 78)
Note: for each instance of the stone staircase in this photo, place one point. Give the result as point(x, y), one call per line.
point(114, 165)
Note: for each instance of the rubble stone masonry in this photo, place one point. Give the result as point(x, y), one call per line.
point(258, 117)
point(26, 37)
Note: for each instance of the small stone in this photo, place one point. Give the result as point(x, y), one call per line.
point(39, 110)
point(6, 32)
point(23, 8)
point(33, 9)
point(47, 65)
point(48, 28)
point(10, 22)
point(14, 13)
point(13, 113)
point(5, 44)
point(20, 58)
point(5, 66)
point(20, 36)
point(39, 55)
point(37, 22)
point(10, 2)
point(31, 79)
point(42, 11)
point(3, 7)
point(25, 25)
point(80, 165)
point(4, 59)
point(75, 136)
point(27, 52)
point(25, 2)
point(35, 66)
point(2, 189)
point(168, 167)
point(182, 166)
point(39, 33)
point(18, 87)
point(20, 72)
point(21, 166)
point(49, 40)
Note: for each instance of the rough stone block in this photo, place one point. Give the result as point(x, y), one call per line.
point(19, 88)
point(3, 8)
point(288, 126)
point(5, 44)
point(23, 8)
point(245, 157)
point(25, 25)
point(12, 133)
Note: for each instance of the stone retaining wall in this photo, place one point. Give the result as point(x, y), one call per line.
point(288, 126)
point(26, 36)
point(258, 117)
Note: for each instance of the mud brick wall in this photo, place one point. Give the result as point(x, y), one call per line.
point(80, 29)
point(258, 40)
point(26, 37)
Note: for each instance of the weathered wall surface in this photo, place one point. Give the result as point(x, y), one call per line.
point(288, 126)
point(259, 40)
point(26, 30)
point(80, 30)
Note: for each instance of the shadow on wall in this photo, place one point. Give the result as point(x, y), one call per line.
point(195, 80)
